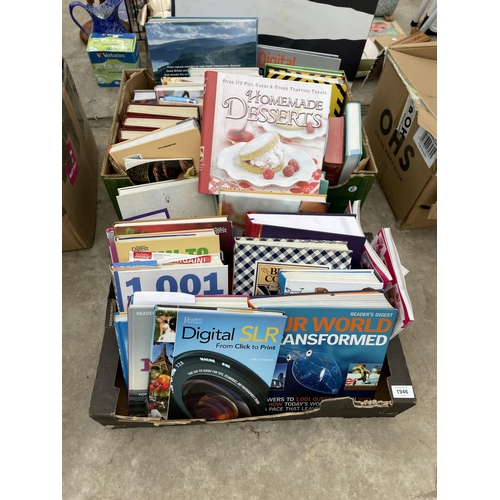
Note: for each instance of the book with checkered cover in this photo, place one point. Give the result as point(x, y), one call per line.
point(257, 261)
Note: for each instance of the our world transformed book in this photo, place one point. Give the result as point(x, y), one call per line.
point(223, 364)
point(263, 135)
point(332, 347)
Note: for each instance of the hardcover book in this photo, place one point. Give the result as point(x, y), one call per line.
point(334, 79)
point(334, 153)
point(175, 44)
point(332, 280)
point(295, 57)
point(223, 363)
point(353, 151)
point(235, 204)
point(221, 226)
point(206, 278)
point(148, 122)
point(257, 261)
point(187, 242)
point(332, 346)
point(262, 135)
point(318, 226)
point(180, 197)
point(180, 110)
point(178, 141)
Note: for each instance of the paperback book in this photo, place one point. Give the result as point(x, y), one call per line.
point(332, 347)
point(262, 135)
point(258, 260)
point(353, 150)
point(223, 363)
point(175, 44)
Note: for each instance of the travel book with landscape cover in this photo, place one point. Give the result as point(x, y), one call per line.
point(175, 44)
point(262, 135)
point(333, 346)
point(223, 363)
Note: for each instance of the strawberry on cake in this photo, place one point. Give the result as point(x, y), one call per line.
point(263, 152)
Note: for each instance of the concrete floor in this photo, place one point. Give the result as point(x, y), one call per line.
point(376, 458)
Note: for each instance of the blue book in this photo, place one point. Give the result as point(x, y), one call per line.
point(333, 346)
point(121, 328)
point(224, 363)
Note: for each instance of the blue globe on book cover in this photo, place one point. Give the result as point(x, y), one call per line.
point(223, 363)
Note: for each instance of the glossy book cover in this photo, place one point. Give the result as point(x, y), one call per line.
point(223, 363)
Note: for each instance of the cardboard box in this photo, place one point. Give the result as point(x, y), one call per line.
point(110, 55)
point(401, 125)
point(79, 170)
point(108, 404)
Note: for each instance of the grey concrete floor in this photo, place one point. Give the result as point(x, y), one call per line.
point(376, 458)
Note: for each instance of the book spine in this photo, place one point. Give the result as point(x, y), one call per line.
point(207, 131)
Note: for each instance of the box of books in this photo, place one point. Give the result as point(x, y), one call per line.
point(111, 54)
point(109, 405)
point(401, 126)
point(79, 177)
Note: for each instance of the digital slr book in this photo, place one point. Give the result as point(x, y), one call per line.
point(223, 363)
point(333, 346)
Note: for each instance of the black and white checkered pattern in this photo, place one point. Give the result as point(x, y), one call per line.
point(248, 251)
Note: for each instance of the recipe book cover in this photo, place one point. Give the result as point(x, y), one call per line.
point(263, 135)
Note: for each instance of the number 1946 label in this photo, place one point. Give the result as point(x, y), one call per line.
point(402, 391)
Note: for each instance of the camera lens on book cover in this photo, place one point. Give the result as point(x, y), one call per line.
point(316, 371)
point(212, 386)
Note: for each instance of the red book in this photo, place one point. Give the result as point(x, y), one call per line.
point(334, 153)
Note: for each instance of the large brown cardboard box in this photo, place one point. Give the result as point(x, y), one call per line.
point(79, 170)
point(109, 404)
point(401, 125)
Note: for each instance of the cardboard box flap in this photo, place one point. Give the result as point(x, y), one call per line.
point(416, 65)
point(427, 121)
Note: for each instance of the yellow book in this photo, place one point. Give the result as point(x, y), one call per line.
point(200, 242)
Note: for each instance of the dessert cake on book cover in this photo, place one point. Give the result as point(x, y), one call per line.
point(262, 134)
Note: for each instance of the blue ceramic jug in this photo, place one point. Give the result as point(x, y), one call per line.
point(105, 18)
